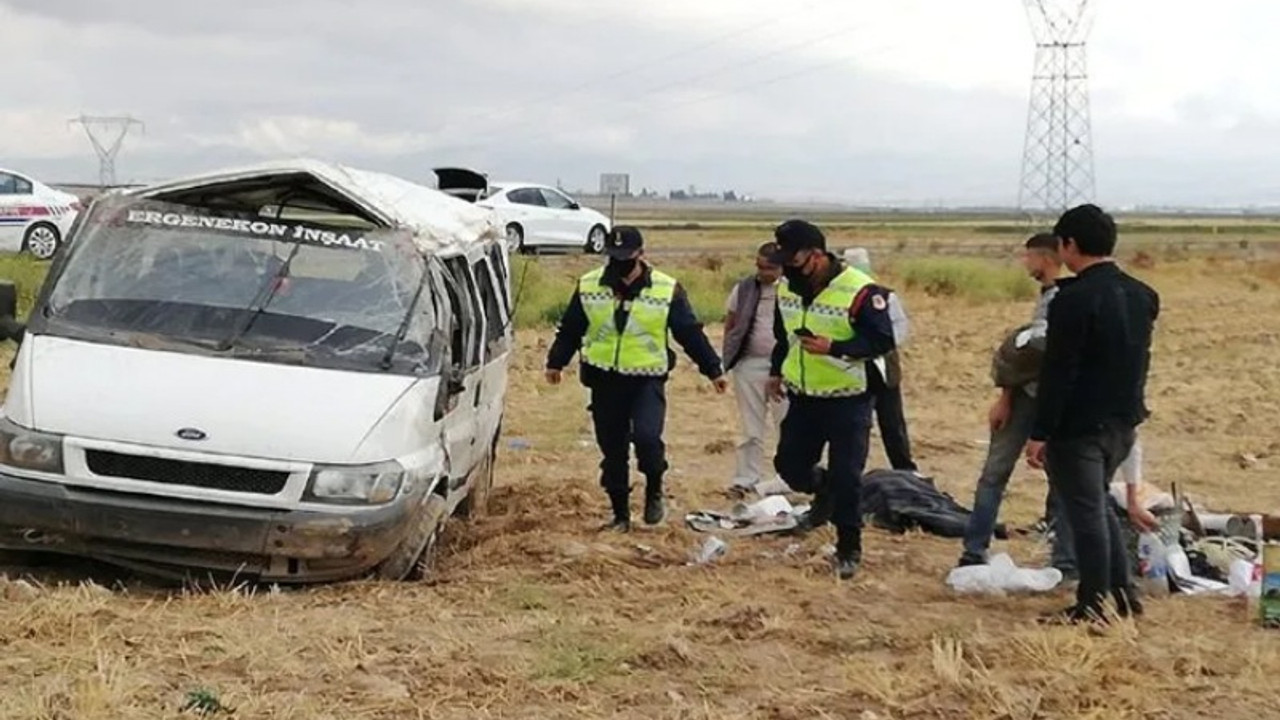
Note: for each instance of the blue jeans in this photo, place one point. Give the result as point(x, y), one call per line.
point(1003, 455)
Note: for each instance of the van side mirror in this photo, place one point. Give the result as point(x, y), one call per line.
point(8, 299)
point(575, 205)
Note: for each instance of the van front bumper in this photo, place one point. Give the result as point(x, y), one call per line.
point(186, 539)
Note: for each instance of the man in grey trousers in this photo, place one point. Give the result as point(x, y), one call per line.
point(1013, 414)
point(748, 346)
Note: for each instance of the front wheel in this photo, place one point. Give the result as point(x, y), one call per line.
point(595, 240)
point(42, 241)
point(477, 500)
point(415, 557)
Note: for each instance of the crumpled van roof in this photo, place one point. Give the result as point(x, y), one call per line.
point(441, 224)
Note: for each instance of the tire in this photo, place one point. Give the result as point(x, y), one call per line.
point(515, 238)
point(595, 240)
point(415, 557)
point(476, 502)
point(42, 241)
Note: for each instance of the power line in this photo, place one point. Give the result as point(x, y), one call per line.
point(637, 98)
point(744, 87)
point(624, 72)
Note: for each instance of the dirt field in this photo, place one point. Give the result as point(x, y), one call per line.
point(537, 616)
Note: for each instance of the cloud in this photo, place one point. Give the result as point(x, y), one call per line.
point(912, 100)
point(302, 135)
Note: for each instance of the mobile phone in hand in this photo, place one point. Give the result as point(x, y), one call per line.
point(804, 332)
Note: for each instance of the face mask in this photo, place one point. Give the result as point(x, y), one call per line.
point(797, 278)
point(618, 270)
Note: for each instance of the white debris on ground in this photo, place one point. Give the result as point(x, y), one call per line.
point(1000, 576)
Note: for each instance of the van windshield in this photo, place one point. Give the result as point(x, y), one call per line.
point(177, 277)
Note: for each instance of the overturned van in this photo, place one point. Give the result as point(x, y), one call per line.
point(293, 372)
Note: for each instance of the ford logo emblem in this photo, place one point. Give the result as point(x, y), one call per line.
point(191, 434)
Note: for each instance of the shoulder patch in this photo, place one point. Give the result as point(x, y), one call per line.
point(878, 302)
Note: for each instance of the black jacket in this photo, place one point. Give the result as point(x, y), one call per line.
point(1097, 354)
point(681, 320)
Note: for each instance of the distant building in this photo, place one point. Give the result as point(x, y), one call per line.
point(615, 184)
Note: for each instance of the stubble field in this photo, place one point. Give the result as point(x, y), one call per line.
point(535, 615)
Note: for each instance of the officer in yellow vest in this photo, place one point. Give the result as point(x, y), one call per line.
point(830, 320)
point(619, 318)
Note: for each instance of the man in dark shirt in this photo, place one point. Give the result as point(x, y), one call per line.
point(619, 317)
point(830, 320)
point(1091, 399)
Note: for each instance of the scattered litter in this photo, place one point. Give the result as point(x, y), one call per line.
point(1000, 575)
point(1269, 586)
point(1153, 565)
point(767, 509)
point(776, 486)
point(712, 549)
point(1240, 578)
point(519, 444)
point(770, 515)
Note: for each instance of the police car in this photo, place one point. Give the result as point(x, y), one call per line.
point(33, 216)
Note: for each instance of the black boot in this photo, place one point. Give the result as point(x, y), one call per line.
point(848, 553)
point(655, 510)
point(620, 500)
point(821, 509)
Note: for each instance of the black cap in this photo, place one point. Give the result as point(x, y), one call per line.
point(623, 242)
point(794, 236)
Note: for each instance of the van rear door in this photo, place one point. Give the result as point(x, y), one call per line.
point(462, 183)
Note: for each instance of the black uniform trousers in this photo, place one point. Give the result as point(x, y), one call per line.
point(843, 427)
point(1080, 470)
point(625, 411)
point(892, 420)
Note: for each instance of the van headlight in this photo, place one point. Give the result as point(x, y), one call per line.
point(29, 449)
point(356, 484)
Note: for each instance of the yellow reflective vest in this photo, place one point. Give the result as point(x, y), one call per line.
point(641, 348)
point(806, 373)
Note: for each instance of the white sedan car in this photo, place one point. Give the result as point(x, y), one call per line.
point(33, 216)
point(535, 216)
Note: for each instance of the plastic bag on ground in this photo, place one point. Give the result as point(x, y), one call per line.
point(1000, 575)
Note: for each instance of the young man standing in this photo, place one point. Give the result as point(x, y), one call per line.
point(748, 347)
point(1015, 369)
point(620, 316)
point(1090, 401)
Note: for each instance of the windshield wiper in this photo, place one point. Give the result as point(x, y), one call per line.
point(404, 324)
point(259, 304)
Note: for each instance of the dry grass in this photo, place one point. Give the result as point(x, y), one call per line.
point(536, 616)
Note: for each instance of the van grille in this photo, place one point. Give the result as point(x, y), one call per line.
point(179, 472)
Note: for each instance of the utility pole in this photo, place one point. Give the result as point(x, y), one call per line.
point(107, 136)
point(1057, 159)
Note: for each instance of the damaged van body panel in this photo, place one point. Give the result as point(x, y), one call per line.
point(293, 371)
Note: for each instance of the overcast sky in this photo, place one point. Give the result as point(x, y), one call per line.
point(898, 101)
